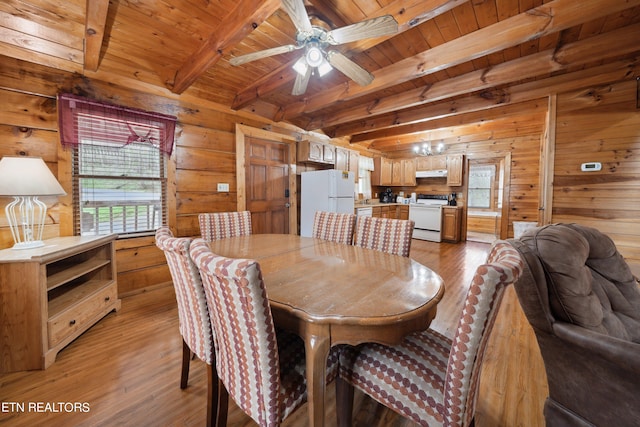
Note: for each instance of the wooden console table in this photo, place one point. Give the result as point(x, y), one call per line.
point(52, 294)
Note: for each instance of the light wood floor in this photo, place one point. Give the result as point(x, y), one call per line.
point(125, 370)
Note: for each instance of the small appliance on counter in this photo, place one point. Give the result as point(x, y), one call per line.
point(452, 200)
point(387, 196)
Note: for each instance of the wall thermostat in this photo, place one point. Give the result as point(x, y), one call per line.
point(591, 166)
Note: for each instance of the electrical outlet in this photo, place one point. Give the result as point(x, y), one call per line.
point(223, 187)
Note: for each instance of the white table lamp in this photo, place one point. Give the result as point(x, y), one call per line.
point(24, 179)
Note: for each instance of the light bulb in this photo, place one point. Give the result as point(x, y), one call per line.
point(314, 56)
point(324, 68)
point(301, 66)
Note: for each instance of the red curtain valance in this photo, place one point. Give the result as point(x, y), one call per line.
point(84, 120)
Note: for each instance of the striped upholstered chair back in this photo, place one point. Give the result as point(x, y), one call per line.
point(384, 234)
point(220, 225)
point(248, 349)
point(335, 227)
point(193, 313)
point(435, 379)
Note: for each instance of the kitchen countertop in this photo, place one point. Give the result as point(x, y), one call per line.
point(377, 203)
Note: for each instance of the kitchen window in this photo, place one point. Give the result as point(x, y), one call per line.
point(481, 186)
point(365, 166)
point(119, 166)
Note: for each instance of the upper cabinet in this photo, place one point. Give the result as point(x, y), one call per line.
point(429, 163)
point(452, 163)
point(316, 152)
point(354, 159)
point(454, 170)
point(393, 172)
point(408, 171)
point(347, 160)
point(381, 174)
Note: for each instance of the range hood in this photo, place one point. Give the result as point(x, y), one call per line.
point(437, 173)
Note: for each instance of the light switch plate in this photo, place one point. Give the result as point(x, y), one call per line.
point(223, 187)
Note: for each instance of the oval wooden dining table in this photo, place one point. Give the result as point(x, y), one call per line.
point(330, 293)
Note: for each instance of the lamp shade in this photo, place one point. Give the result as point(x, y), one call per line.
point(27, 176)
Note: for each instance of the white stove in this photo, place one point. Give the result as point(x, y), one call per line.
point(426, 212)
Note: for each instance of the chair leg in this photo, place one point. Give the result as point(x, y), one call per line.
point(213, 396)
point(344, 402)
point(186, 358)
point(223, 404)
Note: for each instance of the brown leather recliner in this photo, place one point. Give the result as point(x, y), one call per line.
point(583, 302)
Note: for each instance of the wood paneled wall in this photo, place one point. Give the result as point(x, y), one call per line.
point(600, 124)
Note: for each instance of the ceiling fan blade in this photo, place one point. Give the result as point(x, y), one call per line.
point(375, 27)
point(349, 68)
point(298, 14)
point(243, 59)
point(300, 85)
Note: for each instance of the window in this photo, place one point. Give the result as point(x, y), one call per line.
point(119, 170)
point(118, 189)
point(365, 166)
point(481, 185)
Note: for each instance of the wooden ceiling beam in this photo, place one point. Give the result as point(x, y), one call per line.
point(545, 19)
point(94, 26)
point(539, 64)
point(479, 116)
point(389, 112)
point(461, 130)
point(515, 96)
point(408, 13)
point(246, 17)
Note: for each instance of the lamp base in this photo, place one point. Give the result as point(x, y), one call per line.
point(28, 245)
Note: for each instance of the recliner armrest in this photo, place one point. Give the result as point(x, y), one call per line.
point(625, 354)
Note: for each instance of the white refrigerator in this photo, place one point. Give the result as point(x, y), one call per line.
point(326, 190)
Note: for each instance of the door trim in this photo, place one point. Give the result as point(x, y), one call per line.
point(504, 219)
point(242, 131)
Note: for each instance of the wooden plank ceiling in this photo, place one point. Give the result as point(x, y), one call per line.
point(449, 57)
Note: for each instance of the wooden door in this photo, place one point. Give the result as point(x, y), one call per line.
point(267, 185)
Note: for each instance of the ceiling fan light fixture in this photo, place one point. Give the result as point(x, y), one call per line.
point(324, 68)
point(301, 66)
point(314, 55)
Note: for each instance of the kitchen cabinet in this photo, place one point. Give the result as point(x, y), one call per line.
point(52, 294)
point(329, 154)
point(396, 172)
point(408, 172)
point(354, 159)
point(347, 160)
point(402, 212)
point(393, 211)
point(451, 223)
point(393, 172)
point(342, 159)
point(454, 170)
point(429, 163)
point(316, 152)
point(382, 171)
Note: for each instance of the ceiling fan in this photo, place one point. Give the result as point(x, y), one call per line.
point(315, 39)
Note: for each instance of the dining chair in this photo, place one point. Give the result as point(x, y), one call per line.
point(429, 378)
point(388, 235)
point(262, 368)
point(333, 226)
point(220, 225)
point(193, 313)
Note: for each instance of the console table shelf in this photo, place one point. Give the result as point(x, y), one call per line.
point(51, 295)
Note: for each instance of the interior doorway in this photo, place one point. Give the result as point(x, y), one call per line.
point(487, 184)
point(266, 179)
